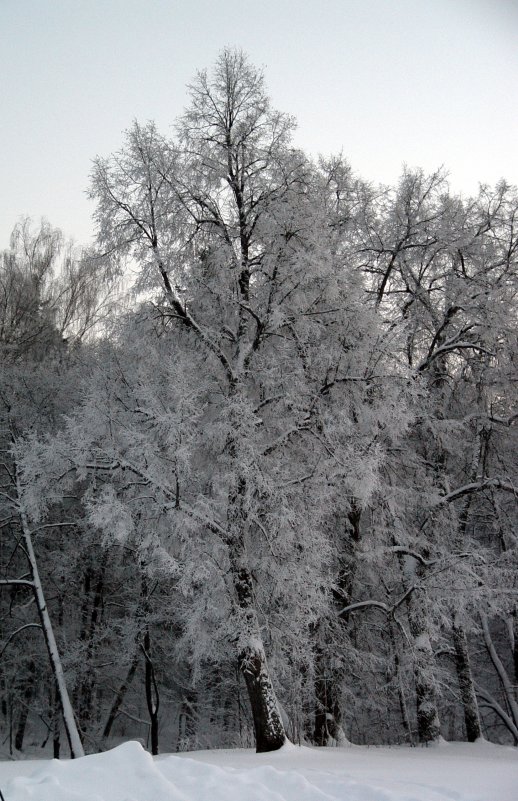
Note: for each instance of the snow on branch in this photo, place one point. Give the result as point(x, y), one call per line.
point(182, 314)
point(17, 582)
point(449, 347)
point(414, 555)
point(477, 486)
point(493, 704)
point(18, 631)
point(170, 494)
point(389, 610)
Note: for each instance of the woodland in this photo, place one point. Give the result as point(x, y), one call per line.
point(259, 463)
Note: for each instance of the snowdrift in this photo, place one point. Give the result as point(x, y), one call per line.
point(455, 772)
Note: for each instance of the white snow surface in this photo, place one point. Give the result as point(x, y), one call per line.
point(450, 772)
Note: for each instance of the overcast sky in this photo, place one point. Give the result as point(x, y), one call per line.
point(426, 82)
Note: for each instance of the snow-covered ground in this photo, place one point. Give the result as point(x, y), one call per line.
point(453, 772)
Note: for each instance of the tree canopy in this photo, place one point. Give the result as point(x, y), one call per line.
point(274, 497)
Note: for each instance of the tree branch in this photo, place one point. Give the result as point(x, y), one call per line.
point(477, 486)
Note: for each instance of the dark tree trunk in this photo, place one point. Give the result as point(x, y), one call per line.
point(466, 686)
point(119, 697)
point(24, 713)
point(152, 695)
point(328, 711)
point(86, 686)
point(56, 717)
point(269, 729)
point(268, 726)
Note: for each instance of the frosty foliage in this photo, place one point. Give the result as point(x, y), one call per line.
point(292, 462)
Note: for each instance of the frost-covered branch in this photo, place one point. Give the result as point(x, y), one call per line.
point(449, 347)
point(417, 556)
point(500, 670)
point(493, 704)
point(389, 610)
point(477, 486)
point(18, 631)
point(171, 494)
point(16, 582)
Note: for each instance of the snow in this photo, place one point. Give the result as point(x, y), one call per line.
point(451, 772)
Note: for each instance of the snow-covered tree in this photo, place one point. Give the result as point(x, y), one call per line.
point(256, 402)
point(290, 467)
point(48, 298)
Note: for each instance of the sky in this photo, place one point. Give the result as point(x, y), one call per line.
point(388, 82)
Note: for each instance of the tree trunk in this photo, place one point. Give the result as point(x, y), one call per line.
point(85, 692)
point(321, 733)
point(466, 686)
point(328, 714)
point(187, 722)
point(514, 645)
point(56, 735)
point(505, 681)
point(428, 725)
point(269, 729)
point(268, 726)
point(400, 689)
point(74, 740)
point(152, 695)
point(24, 713)
point(119, 698)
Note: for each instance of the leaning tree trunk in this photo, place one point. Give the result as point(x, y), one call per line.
point(34, 583)
point(74, 740)
point(119, 697)
point(466, 685)
point(501, 671)
point(268, 726)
